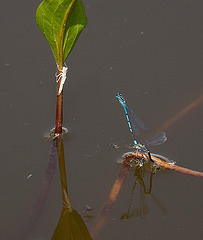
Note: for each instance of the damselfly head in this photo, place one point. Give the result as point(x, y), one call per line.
point(120, 98)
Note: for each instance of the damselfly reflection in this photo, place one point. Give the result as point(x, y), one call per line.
point(143, 208)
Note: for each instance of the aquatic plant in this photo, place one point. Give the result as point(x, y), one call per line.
point(61, 22)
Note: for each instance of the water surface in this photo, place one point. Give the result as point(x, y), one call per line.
point(149, 51)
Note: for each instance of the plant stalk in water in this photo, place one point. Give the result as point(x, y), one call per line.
point(59, 112)
point(61, 22)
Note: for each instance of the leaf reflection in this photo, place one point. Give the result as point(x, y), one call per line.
point(71, 225)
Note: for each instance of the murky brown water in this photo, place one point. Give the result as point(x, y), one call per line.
point(148, 50)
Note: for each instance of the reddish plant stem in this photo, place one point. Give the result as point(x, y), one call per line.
point(41, 201)
point(164, 164)
point(59, 114)
point(183, 112)
point(101, 218)
point(59, 107)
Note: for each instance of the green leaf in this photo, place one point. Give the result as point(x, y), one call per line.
point(61, 22)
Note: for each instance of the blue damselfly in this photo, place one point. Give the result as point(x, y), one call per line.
point(134, 123)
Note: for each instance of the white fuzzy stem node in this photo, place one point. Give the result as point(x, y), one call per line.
point(62, 78)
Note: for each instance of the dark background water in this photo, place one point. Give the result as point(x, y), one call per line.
point(151, 51)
